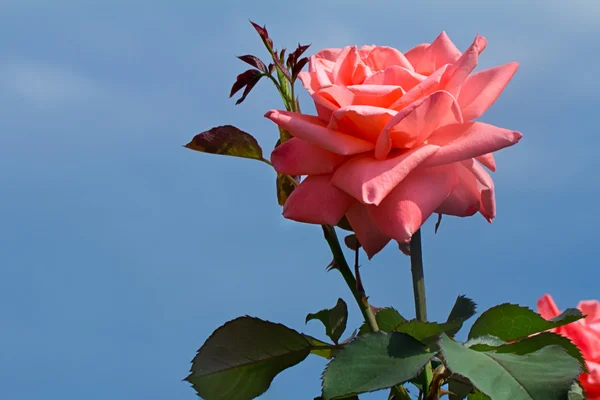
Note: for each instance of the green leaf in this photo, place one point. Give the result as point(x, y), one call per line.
point(372, 362)
point(229, 141)
point(426, 331)
point(334, 320)
point(527, 345)
point(577, 392)
point(463, 309)
point(510, 322)
point(241, 358)
point(387, 319)
point(545, 374)
point(477, 395)
point(320, 348)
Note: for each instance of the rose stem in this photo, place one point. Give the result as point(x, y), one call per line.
point(342, 266)
point(418, 278)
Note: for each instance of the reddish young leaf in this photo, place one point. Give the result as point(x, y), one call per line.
point(254, 61)
point(264, 35)
point(295, 55)
point(227, 140)
point(248, 88)
point(298, 67)
point(246, 79)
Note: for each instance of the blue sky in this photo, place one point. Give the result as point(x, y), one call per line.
point(121, 251)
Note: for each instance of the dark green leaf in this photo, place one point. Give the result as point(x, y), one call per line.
point(459, 389)
point(510, 322)
point(463, 309)
point(320, 348)
point(229, 141)
point(374, 361)
point(546, 374)
point(241, 358)
point(387, 319)
point(334, 320)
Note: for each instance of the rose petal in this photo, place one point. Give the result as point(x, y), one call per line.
point(381, 57)
point(349, 69)
point(370, 180)
point(370, 238)
point(328, 54)
point(486, 184)
point(397, 76)
point(488, 161)
point(415, 54)
point(312, 130)
point(464, 66)
point(365, 122)
point(465, 198)
point(547, 307)
point(316, 201)
point(414, 124)
point(425, 88)
point(322, 70)
point(298, 157)
point(375, 95)
point(464, 141)
point(480, 90)
point(441, 51)
point(591, 308)
point(407, 207)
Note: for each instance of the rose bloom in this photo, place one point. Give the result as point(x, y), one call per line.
point(585, 333)
point(394, 140)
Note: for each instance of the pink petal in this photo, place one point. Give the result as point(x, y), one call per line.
point(480, 90)
point(382, 57)
point(409, 205)
point(413, 125)
point(314, 131)
point(465, 199)
point(298, 157)
point(464, 141)
point(365, 122)
point(328, 54)
point(441, 51)
point(547, 307)
point(488, 161)
point(322, 70)
point(487, 207)
point(316, 201)
point(349, 69)
point(330, 99)
point(415, 54)
point(370, 180)
point(465, 65)
point(397, 76)
point(425, 88)
point(591, 308)
point(375, 95)
point(369, 237)
point(327, 99)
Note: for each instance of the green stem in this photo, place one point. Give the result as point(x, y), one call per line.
point(342, 265)
point(416, 267)
point(418, 278)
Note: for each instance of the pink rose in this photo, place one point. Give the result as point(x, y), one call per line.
point(585, 333)
point(394, 140)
